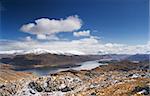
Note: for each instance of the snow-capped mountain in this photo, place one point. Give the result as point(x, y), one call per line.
point(42, 51)
point(59, 52)
point(12, 52)
point(37, 51)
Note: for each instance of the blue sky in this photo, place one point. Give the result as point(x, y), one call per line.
point(101, 25)
point(120, 21)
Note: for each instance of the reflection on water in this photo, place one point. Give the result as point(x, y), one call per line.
point(83, 66)
point(88, 65)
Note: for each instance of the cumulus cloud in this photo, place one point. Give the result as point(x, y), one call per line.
point(82, 33)
point(88, 45)
point(41, 36)
point(27, 27)
point(52, 37)
point(44, 27)
point(28, 38)
point(46, 30)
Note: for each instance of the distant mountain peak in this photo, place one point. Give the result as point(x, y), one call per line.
point(37, 51)
point(43, 51)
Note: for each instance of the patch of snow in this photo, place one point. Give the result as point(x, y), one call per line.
point(42, 51)
point(37, 51)
point(141, 92)
point(75, 52)
point(135, 76)
point(12, 52)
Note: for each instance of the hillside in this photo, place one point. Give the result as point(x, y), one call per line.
point(115, 79)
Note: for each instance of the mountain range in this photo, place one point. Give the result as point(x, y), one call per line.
point(39, 58)
point(43, 51)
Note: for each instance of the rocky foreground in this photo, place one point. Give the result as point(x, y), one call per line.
point(115, 79)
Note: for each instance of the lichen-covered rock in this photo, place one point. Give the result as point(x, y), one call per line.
point(96, 82)
point(35, 86)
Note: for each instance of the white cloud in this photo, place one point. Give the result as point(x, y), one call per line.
point(27, 27)
point(45, 26)
point(47, 37)
point(47, 29)
point(41, 36)
point(88, 45)
point(82, 33)
point(52, 37)
point(28, 38)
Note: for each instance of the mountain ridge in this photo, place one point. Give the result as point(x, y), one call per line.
point(43, 51)
point(39, 51)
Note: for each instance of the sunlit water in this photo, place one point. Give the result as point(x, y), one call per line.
point(88, 65)
point(83, 66)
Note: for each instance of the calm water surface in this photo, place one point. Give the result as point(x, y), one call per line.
point(88, 65)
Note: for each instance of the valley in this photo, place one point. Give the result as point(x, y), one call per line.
point(74, 75)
